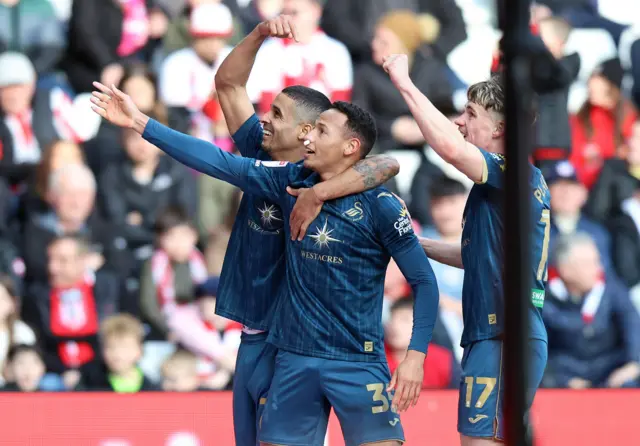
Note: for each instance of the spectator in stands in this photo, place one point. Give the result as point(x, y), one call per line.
point(31, 27)
point(315, 60)
point(133, 191)
point(70, 197)
point(439, 366)
point(27, 373)
point(67, 311)
point(180, 372)
point(12, 330)
point(141, 85)
point(617, 180)
point(594, 330)
point(354, 21)
point(553, 131)
point(213, 338)
point(602, 125)
point(12, 265)
point(448, 199)
point(117, 370)
point(218, 201)
point(626, 241)
point(179, 35)
point(401, 32)
point(32, 119)
point(187, 76)
point(568, 197)
point(176, 267)
point(100, 52)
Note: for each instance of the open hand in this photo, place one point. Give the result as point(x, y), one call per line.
point(114, 106)
point(397, 66)
point(407, 381)
point(306, 209)
point(281, 26)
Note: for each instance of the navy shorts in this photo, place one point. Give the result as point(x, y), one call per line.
point(481, 401)
point(254, 370)
point(304, 389)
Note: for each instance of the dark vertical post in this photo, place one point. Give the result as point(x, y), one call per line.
point(514, 21)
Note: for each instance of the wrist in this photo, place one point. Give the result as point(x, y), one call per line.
point(415, 355)
point(320, 192)
point(140, 121)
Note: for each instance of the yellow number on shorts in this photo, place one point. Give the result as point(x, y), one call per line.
point(378, 397)
point(542, 266)
point(488, 383)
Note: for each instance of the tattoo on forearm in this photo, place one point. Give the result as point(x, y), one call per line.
point(376, 170)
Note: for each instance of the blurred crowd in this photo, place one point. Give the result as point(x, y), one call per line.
point(110, 251)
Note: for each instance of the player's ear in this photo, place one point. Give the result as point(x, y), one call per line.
point(352, 147)
point(498, 129)
point(304, 131)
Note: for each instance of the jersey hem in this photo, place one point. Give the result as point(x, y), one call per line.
point(253, 325)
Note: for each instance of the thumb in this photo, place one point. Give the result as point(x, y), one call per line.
point(394, 381)
point(293, 192)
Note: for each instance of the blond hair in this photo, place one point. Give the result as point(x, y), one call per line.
point(122, 325)
point(488, 95)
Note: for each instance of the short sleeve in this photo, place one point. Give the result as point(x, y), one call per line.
point(393, 224)
point(248, 138)
point(493, 169)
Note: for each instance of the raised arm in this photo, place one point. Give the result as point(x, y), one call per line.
point(364, 175)
point(443, 252)
point(439, 132)
point(396, 233)
point(250, 175)
point(233, 75)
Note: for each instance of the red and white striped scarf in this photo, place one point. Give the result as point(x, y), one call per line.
point(590, 303)
point(164, 279)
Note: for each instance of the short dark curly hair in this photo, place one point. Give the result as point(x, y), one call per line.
point(360, 124)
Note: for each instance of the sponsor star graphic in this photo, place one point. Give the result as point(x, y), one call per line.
point(268, 214)
point(323, 236)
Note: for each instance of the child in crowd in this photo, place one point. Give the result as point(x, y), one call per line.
point(121, 338)
point(180, 372)
point(175, 269)
point(26, 371)
point(12, 330)
point(213, 338)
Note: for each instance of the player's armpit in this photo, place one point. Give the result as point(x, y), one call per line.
point(468, 159)
point(364, 175)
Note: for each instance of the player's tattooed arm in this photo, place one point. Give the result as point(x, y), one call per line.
point(443, 252)
point(364, 175)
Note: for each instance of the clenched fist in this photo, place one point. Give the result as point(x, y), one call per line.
point(397, 66)
point(281, 26)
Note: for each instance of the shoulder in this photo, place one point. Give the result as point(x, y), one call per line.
point(381, 201)
point(330, 43)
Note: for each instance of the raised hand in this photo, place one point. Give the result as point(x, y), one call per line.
point(281, 26)
point(397, 66)
point(114, 106)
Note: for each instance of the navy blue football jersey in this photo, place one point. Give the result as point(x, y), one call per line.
point(483, 256)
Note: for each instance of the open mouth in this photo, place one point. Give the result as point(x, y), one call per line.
point(267, 133)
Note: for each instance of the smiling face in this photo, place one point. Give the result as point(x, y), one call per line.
point(329, 142)
point(281, 126)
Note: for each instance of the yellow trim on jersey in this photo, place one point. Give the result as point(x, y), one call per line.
point(485, 172)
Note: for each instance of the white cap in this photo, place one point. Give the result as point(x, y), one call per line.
point(16, 69)
point(211, 20)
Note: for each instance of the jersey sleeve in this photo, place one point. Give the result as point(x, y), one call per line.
point(248, 138)
point(266, 179)
point(493, 169)
point(395, 229)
